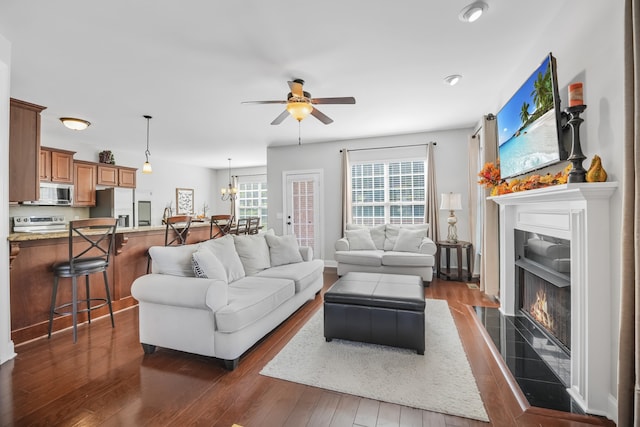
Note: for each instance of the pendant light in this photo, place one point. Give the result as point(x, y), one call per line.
point(231, 192)
point(146, 168)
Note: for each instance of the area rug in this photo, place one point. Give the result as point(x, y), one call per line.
point(439, 381)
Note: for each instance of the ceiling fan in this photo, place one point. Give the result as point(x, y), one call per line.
point(300, 104)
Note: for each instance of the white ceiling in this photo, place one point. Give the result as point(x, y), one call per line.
point(190, 65)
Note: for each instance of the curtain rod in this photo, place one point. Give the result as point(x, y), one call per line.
point(395, 146)
point(254, 174)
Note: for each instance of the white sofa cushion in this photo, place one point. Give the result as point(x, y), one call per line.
point(370, 258)
point(360, 239)
point(207, 266)
point(250, 299)
point(253, 252)
point(409, 240)
point(407, 259)
point(283, 249)
point(173, 260)
point(392, 230)
point(225, 250)
point(377, 233)
point(302, 273)
point(190, 292)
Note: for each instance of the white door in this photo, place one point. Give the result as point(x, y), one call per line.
point(302, 207)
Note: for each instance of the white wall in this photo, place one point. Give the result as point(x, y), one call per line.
point(451, 150)
point(6, 345)
point(590, 52)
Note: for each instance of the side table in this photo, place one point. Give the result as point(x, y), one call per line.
point(458, 246)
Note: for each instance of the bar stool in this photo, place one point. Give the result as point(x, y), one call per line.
point(90, 246)
point(175, 233)
point(223, 225)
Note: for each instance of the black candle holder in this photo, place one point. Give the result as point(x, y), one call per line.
point(577, 173)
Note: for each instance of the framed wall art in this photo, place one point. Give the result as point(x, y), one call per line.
point(184, 201)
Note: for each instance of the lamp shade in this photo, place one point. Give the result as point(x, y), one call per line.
point(299, 110)
point(451, 202)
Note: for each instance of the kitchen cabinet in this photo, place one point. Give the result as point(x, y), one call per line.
point(116, 176)
point(24, 151)
point(56, 165)
point(85, 178)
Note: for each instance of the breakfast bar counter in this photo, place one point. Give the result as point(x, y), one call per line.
point(31, 276)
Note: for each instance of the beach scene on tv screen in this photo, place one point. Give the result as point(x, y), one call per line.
point(527, 126)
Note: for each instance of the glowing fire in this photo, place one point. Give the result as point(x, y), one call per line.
point(539, 310)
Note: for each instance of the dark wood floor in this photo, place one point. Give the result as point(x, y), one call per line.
point(105, 379)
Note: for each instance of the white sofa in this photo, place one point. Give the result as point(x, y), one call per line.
point(247, 286)
point(387, 248)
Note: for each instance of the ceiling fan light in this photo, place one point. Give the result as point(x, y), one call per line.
point(473, 11)
point(299, 110)
point(74, 123)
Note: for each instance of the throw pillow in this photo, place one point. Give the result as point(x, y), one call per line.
point(207, 266)
point(173, 260)
point(409, 240)
point(224, 249)
point(392, 231)
point(359, 240)
point(253, 251)
point(378, 235)
point(283, 249)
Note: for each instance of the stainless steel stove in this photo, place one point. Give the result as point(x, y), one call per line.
point(39, 224)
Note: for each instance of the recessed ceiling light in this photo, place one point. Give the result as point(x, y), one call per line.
point(472, 12)
point(453, 79)
point(74, 123)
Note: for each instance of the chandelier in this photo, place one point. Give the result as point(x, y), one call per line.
point(230, 192)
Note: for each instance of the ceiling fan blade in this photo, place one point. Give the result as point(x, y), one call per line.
point(263, 102)
point(339, 100)
point(321, 116)
point(296, 88)
point(280, 118)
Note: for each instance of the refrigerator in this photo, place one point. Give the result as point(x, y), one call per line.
point(115, 203)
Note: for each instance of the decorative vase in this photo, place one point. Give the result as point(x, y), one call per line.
point(596, 172)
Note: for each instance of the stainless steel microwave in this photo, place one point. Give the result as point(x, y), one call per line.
point(52, 194)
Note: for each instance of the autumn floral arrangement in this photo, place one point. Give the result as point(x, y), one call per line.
point(490, 178)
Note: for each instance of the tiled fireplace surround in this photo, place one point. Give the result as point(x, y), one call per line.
point(579, 213)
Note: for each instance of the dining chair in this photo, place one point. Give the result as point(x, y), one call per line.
point(254, 225)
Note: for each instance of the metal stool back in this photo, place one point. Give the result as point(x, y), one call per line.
point(90, 247)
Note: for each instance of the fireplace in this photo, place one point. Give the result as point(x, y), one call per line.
point(543, 280)
point(571, 219)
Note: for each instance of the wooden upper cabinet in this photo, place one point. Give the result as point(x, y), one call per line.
point(107, 175)
point(116, 176)
point(24, 151)
point(84, 190)
point(56, 165)
point(127, 177)
point(45, 165)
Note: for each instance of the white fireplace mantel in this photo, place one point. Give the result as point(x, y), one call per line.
point(578, 212)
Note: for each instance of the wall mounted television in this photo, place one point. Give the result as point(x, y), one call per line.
point(529, 124)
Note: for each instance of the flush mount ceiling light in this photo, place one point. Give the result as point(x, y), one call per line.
point(453, 79)
point(74, 124)
point(473, 12)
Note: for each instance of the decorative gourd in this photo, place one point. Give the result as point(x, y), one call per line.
point(596, 172)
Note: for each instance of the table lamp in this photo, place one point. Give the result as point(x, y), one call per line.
point(451, 202)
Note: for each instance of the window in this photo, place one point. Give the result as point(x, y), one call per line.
point(388, 192)
point(252, 200)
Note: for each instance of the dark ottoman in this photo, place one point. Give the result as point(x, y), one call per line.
point(376, 308)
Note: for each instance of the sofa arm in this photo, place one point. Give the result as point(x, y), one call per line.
point(306, 252)
point(342, 244)
point(428, 247)
point(179, 291)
